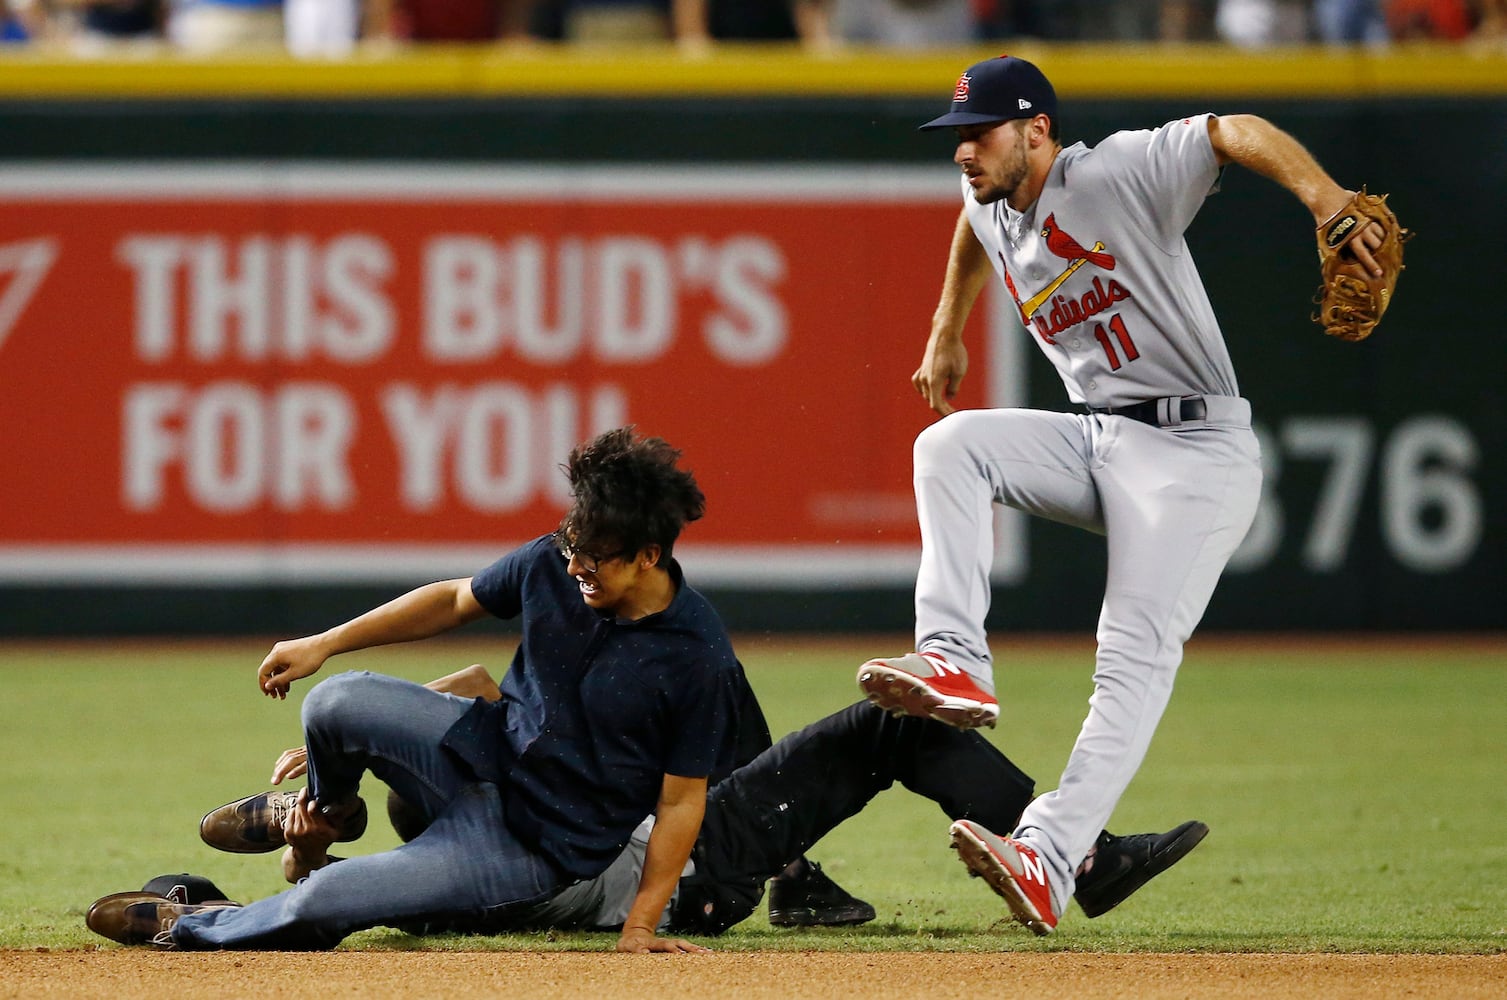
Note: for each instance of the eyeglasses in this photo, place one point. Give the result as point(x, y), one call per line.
point(589, 561)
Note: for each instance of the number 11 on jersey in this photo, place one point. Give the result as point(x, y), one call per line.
point(1121, 337)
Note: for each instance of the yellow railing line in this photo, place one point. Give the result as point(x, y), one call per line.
point(1096, 71)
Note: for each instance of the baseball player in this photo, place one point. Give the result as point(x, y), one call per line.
point(1088, 243)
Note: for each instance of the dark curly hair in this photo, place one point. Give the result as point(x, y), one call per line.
point(629, 494)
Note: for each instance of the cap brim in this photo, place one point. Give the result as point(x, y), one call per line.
point(955, 118)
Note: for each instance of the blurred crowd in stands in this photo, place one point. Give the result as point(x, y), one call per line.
point(334, 28)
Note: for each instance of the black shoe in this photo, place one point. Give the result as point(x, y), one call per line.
point(140, 917)
point(254, 825)
point(803, 896)
point(1118, 866)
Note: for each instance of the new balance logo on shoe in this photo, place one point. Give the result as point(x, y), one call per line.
point(1031, 867)
point(941, 666)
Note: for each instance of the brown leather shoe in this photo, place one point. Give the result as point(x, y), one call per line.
point(254, 825)
point(140, 917)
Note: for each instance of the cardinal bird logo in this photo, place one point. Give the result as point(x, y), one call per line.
point(1069, 249)
point(1064, 246)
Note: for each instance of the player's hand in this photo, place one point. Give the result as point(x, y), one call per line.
point(642, 941)
point(289, 661)
point(941, 373)
point(294, 763)
point(1368, 241)
point(1370, 238)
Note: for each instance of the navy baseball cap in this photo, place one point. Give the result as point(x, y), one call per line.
point(997, 90)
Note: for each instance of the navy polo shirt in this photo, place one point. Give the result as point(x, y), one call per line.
point(595, 710)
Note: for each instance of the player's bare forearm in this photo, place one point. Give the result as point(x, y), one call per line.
point(945, 360)
point(968, 271)
point(1265, 149)
point(677, 821)
point(1260, 146)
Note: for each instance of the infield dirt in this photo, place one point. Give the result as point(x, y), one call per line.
point(131, 974)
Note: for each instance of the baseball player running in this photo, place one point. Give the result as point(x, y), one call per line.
point(1089, 245)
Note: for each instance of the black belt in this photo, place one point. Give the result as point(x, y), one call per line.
point(1156, 411)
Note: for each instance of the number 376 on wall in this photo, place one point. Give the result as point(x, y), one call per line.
point(1430, 508)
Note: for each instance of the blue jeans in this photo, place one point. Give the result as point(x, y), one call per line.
point(467, 864)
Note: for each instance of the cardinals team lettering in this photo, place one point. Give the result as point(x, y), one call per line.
point(1067, 312)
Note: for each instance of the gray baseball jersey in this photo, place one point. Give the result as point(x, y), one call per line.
point(1100, 271)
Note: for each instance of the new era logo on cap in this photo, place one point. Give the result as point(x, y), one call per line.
point(1024, 103)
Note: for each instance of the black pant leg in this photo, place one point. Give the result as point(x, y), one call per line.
point(772, 810)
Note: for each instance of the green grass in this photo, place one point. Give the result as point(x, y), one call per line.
point(1356, 795)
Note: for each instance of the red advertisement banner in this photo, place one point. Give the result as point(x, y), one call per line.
point(306, 370)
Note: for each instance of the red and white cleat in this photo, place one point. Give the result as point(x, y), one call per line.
point(1012, 870)
point(927, 686)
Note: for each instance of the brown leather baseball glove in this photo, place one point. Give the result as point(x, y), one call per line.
point(1352, 300)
